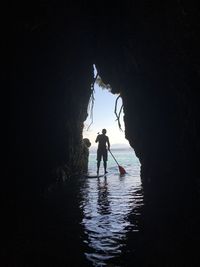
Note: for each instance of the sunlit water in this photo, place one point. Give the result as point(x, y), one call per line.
point(107, 204)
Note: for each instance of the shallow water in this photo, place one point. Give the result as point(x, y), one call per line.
point(107, 205)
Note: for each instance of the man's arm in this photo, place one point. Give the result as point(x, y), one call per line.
point(97, 139)
point(108, 144)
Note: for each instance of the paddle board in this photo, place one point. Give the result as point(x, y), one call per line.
point(95, 176)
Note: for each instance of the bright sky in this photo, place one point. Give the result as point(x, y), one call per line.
point(104, 117)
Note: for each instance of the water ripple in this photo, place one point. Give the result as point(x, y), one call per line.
point(107, 204)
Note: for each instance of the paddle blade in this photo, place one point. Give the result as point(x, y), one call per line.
point(121, 170)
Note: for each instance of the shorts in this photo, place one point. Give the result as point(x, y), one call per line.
point(102, 153)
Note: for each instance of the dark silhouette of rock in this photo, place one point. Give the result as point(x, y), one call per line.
point(149, 53)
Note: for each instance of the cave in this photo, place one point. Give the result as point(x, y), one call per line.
point(149, 53)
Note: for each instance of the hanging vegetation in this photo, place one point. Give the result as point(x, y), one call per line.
point(119, 113)
point(101, 84)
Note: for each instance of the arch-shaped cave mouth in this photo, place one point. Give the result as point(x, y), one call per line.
point(108, 200)
point(105, 111)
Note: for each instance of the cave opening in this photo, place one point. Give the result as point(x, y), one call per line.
point(106, 111)
point(111, 204)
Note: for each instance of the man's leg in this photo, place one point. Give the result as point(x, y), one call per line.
point(105, 166)
point(98, 165)
point(105, 158)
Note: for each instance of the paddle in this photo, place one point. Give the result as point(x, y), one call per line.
point(121, 169)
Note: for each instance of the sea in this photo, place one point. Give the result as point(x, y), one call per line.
point(111, 207)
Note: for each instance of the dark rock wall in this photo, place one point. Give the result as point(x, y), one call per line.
point(152, 59)
point(53, 73)
point(150, 54)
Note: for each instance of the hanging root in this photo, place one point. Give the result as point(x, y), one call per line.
point(118, 114)
point(99, 81)
point(91, 102)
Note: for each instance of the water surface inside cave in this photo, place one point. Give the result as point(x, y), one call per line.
point(111, 206)
point(85, 222)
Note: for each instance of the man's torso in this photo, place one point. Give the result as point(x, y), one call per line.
point(103, 139)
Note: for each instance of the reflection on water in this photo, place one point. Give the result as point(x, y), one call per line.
point(107, 204)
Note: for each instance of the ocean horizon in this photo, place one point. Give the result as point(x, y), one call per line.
point(113, 147)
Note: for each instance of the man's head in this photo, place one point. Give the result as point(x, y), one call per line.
point(104, 131)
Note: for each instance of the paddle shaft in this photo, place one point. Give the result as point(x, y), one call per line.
point(113, 157)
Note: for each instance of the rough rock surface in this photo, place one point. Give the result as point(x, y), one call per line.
point(147, 52)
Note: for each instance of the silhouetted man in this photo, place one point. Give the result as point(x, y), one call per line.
point(102, 149)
